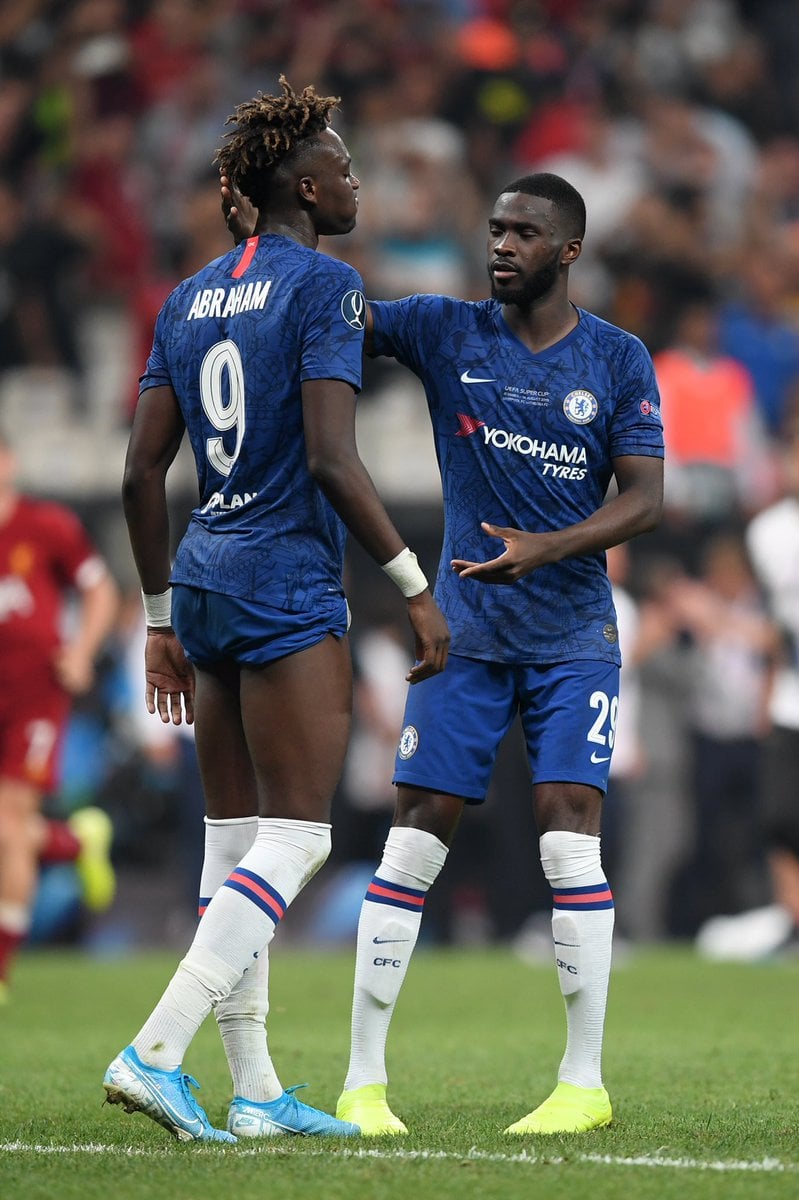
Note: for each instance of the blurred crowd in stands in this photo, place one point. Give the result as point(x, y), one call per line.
point(678, 120)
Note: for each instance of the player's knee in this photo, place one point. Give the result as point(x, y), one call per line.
point(572, 808)
point(306, 844)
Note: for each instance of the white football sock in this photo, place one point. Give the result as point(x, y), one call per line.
point(582, 931)
point(226, 843)
point(241, 1016)
point(391, 915)
point(238, 924)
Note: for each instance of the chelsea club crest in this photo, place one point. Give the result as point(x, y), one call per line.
point(580, 406)
point(409, 740)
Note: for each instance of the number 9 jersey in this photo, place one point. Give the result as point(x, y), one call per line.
point(236, 342)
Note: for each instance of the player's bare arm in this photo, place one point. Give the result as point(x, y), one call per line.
point(333, 460)
point(74, 661)
point(155, 439)
point(635, 509)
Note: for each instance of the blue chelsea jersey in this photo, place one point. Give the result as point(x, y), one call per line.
point(236, 342)
point(524, 440)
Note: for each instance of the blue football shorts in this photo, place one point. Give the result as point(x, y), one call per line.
point(455, 721)
point(214, 628)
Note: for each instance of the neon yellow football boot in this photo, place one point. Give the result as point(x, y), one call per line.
point(93, 829)
point(367, 1106)
point(569, 1109)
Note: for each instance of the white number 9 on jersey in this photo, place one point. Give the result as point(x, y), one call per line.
point(224, 357)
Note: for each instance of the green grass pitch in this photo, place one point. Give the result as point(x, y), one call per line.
point(702, 1063)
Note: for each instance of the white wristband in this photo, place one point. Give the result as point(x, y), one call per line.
point(158, 609)
point(404, 570)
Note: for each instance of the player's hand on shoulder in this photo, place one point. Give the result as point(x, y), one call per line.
point(170, 678)
point(240, 213)
point(431, 634)
point(522, 554)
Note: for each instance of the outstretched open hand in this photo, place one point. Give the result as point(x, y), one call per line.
point(523, 553)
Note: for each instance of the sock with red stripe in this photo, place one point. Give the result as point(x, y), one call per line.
point(60, 843)
point(582, 931)
point(388, 927)
point(226, 843)
point(241, 1016)
point(237, 926)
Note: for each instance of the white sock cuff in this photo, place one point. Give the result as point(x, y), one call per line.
point(300, 835)
point(284, 825)
point(253, 820)
point(570, 859)
point(226, 843)
point(414, 856)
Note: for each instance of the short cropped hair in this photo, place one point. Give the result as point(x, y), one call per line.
point(552, 187)
point(268, 130)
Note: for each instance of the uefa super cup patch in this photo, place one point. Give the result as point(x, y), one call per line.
point(580, 406)
point(409, 741)
point(353, 309)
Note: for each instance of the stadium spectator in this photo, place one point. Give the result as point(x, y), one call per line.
point(717, 456)
point(39, 260)
point(657, 829)
point(260, 616)
point(772, 539)
point(45, 557)
point(731, 640)
point(757, 328)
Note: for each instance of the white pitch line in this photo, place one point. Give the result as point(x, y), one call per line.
point(764, 1166)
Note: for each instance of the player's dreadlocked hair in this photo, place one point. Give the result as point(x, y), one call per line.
point(267, 130)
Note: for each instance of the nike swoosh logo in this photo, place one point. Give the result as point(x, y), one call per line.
point(156, 1104)
point(598, 758)
point(466, 377)
point(385, 941)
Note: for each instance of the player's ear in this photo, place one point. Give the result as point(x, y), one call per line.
point(571, 251)
point(306, 189)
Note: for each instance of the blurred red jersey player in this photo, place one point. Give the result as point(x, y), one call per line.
point(45, 557)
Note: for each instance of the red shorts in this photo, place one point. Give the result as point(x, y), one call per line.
point(33, 719)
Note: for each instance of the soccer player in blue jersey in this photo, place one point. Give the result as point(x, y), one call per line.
point(258, 359)
point(549, 441)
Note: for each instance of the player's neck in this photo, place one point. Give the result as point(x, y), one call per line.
point(543, 323)
point(298, 228)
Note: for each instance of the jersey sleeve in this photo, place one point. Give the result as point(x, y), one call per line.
point(637, 426)
point(76, 562)
point(402, 328)
point(333, 323)
point(156, 371)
